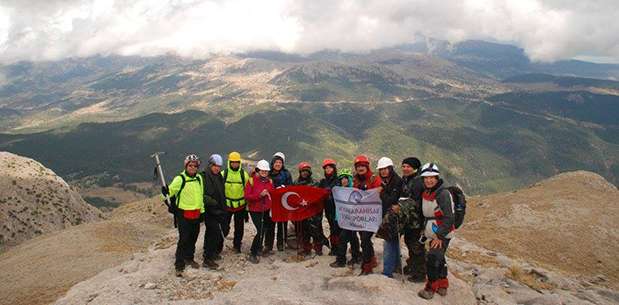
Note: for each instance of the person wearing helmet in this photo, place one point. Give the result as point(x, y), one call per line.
point(391, 186)
point(363, 180)
point(438, 210)
point(309, 231)
point(235, 179)
point(345, 177)
point(188, 189)
point(411, 218)
point(215, 202)
point(281, 177)
point(330, 180)
point(258, 195)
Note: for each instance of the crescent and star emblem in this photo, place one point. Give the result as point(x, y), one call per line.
point(287, 206)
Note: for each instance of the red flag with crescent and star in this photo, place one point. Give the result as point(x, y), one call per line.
point(297, 202)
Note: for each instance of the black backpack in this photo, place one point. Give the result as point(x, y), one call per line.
point(459, 199)
point(176, 198)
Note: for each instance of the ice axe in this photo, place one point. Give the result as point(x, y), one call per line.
point(159, 172)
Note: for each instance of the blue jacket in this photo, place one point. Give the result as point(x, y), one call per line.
point(280, 178)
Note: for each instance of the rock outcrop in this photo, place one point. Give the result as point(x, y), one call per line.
point(569, 223)
point(34, 200)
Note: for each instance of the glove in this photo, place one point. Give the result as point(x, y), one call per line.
point(165, 191)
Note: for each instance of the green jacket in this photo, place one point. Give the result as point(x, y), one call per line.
point(192, 196)
point(234, 187)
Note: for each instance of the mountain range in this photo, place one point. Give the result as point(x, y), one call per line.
point(491, 118)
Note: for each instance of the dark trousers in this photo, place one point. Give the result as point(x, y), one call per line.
point(334, 228)
point(265, 231)
point(367, 247)
point(239, 226)
point(312, 233)
point(436, 264)
point(213, 238)
point(416, 252)
point(282, 233)
point(347, 236)
point(188, 231)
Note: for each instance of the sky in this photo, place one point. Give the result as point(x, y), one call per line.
point(547, 30)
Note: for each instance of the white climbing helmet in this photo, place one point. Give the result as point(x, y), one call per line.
point(429, 170)
point(280, 155)
point(263, 165)
point(191, 158)
point(384, 162)
point(216, 159)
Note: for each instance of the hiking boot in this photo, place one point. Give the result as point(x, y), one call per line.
point(417, 278)
point(353, 261)
point(365, 272)
point(179, 271)
point(442, 291)
point(426, 294)
point(366, 269)
point(408, 269)
point(337, 264)
point(253, 259)
point(193, 264)
point(210, 264)
point(398, 270)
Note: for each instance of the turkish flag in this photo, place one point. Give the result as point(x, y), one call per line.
point(297, 202)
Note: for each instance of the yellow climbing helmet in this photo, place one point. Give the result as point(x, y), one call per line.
point(234, 157)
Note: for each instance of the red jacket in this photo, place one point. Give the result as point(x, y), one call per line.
point(252, 194)
point(367, 182)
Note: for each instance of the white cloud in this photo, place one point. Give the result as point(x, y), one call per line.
point(546, 29)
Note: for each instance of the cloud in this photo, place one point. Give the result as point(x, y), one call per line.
point(55, 29)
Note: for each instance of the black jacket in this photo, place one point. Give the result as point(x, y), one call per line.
point(391, 191)
point(328, 183)
point(214, 195)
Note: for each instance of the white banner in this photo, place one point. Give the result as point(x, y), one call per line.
point(358, 210)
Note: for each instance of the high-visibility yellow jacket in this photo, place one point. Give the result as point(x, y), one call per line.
point(234, 187)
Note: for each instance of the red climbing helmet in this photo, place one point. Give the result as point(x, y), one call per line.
point(361, 160)
point(327, 162)
point(304, 165)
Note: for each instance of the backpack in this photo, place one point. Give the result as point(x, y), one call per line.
point(459, 199)
point(176, 198)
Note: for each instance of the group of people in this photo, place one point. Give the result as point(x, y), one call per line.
point(415, 205)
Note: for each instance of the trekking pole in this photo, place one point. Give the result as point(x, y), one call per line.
point(397, 223)
point(221, 232)
point(261, 236)
point(284, 226)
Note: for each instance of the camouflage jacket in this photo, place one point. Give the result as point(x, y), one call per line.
point(410, 216)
